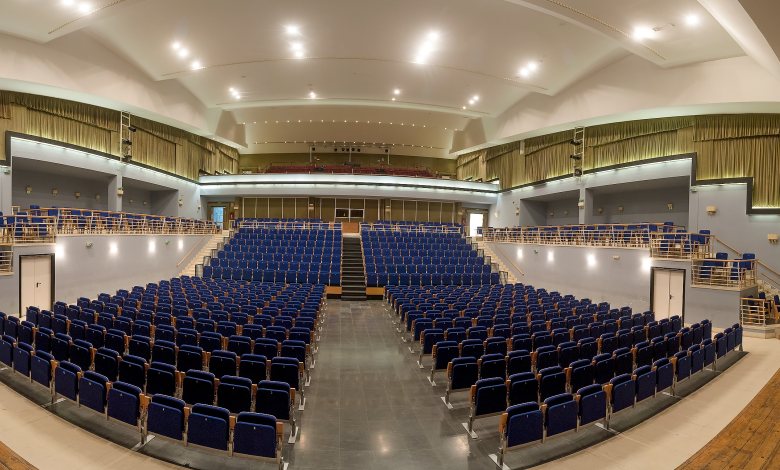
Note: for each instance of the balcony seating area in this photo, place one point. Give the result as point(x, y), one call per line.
point(220, 364)
point(399, 257)
point(613, 235)
point(548, 363)
point(267, 253)
point(724, 272)
point(351, 170)
point(42, 225)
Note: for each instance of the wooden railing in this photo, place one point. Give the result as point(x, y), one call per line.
point(739, 273)
point(754, 311)
point(606, 235)
point(410, 227)
point(6, 260)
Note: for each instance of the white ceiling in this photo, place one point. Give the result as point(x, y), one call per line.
point(358, 51)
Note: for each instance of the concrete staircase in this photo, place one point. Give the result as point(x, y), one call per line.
point(212, 244)
point(353, 272)
point(511, 279)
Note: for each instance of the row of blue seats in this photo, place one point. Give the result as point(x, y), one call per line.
point(384, 279)
point(253, 434)
point(332, 278)
point(534, 421)
point(325, 265)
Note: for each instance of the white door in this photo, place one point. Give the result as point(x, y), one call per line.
point(36, 282)
point(676, 292)
point(661, 293)
point(668, 292)
point(476, 219)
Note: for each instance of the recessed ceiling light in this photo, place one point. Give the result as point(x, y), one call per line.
point(254, 122)
point(296, 46)
point(182, 52)
point(433, 36)
point(532, 66)
point(68, 3)
point(642, 32)
point(196, 65)
point(176, 45)
point(397, 91)
point(471, 102)
point(392, 99)
point(692, 20)
point(475, 98)
point(524, 72)
point(464, 107)
point(312, 95)
point(85, 7)
point(298, 54)
point(292, 30)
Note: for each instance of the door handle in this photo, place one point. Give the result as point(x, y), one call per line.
point(37, 284)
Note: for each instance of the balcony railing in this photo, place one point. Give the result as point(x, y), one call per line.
point(739, 273)
point(19, 230)
point(754, 311)
point(286, 224)
point(606, 235)
point(384, 226)
point(680, 245)
point(6, 259)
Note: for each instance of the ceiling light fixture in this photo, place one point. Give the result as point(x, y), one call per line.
point(692, 20)
point(312, 95)
point(397, 92)
point(642, 32)
point(292, 30)
point(176, 45)
point(475, 98)
point(182, 52)
point(68, 3)
point(298, 54)
point(85, 7)
point(427, 48)
point(196, 65)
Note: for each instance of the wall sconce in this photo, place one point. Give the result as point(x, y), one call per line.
point(620, 209)
point(552, 214)
point(517, 211)
point(565, 212)
point(198, 207)
point(89, 245)
point(600, 210)
point(235, 207)
point(55, 191)
point(615, 257)
point(773, 238)
point(669, 206)
point(77, 194)
point(581, 204)
point(712, 210)
point(536, 252)
point(131, 201)
point(167, 242)
point(181, 202)
point(144, 202)
point(28, 189)
point(120, 192)
point(97, 197)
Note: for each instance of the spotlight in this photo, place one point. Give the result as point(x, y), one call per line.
point(131, 128)
point(127, 142)
point(575, 157)
point(577, 172)
point(575, 142)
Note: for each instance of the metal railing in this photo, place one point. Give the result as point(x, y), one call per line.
point(680, 245)
point(70, 221)
point(606, 235)
point(286, 225)
point(410, 227)
point(738, 273)
point(754, 311)
point(20, 230)
point(6, 259)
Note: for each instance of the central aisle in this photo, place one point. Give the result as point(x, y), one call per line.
point(370, 407)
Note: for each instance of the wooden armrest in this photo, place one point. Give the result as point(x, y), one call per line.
point(473, 393)
point(187, 411)
point(502, 423)
point(144, 401)
point(232, 422)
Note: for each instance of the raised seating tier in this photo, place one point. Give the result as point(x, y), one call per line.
point(399, 257)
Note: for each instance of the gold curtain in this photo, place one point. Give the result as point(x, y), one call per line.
point(547, 157)
point(471, 165)
point(154, 144)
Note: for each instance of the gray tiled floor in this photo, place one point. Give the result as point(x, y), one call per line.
point(370, 407)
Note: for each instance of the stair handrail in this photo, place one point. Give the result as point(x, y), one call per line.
point(522, 273)
point(197, 245)
point(758, 261)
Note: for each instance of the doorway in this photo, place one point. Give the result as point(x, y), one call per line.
point(217, 215)
point(36, 282)
point(476, 220)
point(667, 293)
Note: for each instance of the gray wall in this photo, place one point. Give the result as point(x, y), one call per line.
point(642, 206)
point(564, 212)
point(597, 274)
point(732, 224)
point(165, 203)
point(42, 184)
point(82, 271)
point(134, 198)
